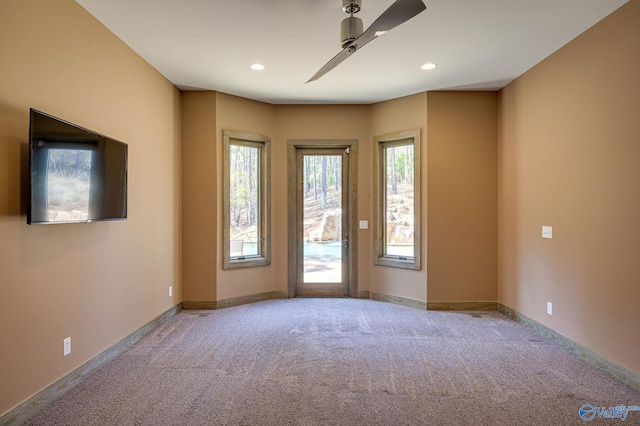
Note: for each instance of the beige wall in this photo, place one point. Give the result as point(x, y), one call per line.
point(459, 195)
point(569, 156)
point(462, 170)
point(389, 117)
point(199, 196)
point(94, 282)
point(234, 113)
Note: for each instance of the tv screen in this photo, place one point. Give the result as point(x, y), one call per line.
point(76, 175)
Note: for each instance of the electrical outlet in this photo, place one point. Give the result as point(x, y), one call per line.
point(170, 290)
point(66, 346)
point(547, 232)
point(364, 224)
point(549, 308)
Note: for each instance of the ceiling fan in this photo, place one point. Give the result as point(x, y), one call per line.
point(352, 36)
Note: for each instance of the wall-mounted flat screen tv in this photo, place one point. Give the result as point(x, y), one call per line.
point(76, 175)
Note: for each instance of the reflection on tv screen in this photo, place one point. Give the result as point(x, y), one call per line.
point(68, 184)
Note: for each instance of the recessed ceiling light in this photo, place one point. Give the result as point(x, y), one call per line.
point(428, 66)
point(257, 67)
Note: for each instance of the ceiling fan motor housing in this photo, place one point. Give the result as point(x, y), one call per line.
point(351, 6)
point(350, 29)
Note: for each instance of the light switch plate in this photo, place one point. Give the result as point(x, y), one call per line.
point(66, 346)
point(547, 232)
point(364, 224)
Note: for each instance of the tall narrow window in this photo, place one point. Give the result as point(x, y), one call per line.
point(246, 200)
point(397, 200)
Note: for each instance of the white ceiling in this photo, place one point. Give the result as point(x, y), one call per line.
point(210, 44)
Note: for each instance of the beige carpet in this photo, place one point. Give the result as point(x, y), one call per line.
point(340, 362)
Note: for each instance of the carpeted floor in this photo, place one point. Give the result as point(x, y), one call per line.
point(340, 362)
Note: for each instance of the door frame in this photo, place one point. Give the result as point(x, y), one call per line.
point(294, 145)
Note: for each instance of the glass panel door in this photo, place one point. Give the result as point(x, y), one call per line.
point(322, 224)
point(322, 218)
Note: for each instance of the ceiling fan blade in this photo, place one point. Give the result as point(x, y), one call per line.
point(398, 13)
point(334, 62)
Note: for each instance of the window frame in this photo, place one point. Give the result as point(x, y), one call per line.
point(381, 142)
point(263, 143)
